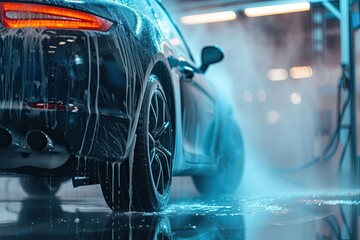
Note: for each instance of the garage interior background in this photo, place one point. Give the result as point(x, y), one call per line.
point(281, 73)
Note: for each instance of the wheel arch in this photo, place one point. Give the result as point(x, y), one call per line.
point(161, 71)
point(160, 67)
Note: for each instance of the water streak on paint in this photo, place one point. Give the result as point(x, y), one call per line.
point(131, 165)
point(87, 94)
point(95, 40)
point(113, 182)
point(31, 50)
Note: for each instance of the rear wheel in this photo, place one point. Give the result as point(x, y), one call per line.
point(231, 163)
point(40, 186)
point(142, 183)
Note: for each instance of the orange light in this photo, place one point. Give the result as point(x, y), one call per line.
point(28, 15)
point(301, 72)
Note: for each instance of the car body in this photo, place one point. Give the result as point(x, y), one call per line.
point(84, 85)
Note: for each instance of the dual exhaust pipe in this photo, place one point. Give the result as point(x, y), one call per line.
point(36, 140)
point(6, 138)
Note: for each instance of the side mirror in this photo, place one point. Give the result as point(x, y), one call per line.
point(210, 55)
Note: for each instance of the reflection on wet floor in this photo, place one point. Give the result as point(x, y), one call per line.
point(321, 216)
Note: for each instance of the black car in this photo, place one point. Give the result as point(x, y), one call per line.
point(107, 91)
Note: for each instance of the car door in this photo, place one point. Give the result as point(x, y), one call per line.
point(197, 95)
point(198, 108)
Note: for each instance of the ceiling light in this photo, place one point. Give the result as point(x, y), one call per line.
point(277, 9)
point(277, 74)
point(272, 116)
point(301, 72)
point(295, 98)
point(261, 95)
point(209, 18)
point(247, 96)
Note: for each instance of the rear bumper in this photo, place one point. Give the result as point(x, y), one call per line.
point(89, 83)
point(97, 136)
point(83, 79)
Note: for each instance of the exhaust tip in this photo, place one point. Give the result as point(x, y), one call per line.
point(37, 141)
point(6, 138)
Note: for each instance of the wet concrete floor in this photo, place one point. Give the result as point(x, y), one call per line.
point(304, 216)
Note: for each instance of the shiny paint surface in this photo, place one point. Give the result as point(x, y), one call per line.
point(85, 88)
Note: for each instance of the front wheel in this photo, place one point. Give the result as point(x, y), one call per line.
point(142, 182)
point(230, 156)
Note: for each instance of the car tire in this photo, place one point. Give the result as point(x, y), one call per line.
point(230, 156)
point(143, 181)
point(40, 186)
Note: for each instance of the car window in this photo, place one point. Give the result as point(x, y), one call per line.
point(170, 29)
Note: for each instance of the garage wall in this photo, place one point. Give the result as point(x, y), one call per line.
point(278, 133)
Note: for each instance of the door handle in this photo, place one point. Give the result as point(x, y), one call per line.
point(188, 72)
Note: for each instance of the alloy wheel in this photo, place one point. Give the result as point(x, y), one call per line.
point(160, 142)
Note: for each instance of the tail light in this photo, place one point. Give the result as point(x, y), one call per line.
point(54, 106)
point(28, 15)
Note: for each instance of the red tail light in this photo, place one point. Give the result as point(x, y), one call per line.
point(54, 106)
point(28, 15)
